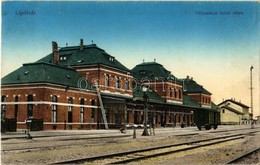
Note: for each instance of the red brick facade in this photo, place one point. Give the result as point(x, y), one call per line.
point(42, 106)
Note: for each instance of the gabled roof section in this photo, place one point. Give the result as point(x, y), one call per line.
point(235, 102)
point(89, 55)
point(42, 72)
point(153, 71)
point(233, 110)
point(191, 86)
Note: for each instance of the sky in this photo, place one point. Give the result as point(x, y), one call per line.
point(214, 42)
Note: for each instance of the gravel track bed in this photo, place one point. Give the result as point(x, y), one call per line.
point(85, 148)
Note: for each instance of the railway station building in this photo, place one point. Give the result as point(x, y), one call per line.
point(84, 87)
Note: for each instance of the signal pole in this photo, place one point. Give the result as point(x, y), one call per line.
point(251, 93)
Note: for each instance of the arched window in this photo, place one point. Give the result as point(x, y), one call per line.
point(126, 84)
point(16, 98)
point(29, 106)
point(180, 94)
point(54, 108)
point(107, 78)
point(170, 90)
point(70, 101)
point(117, 82)
point(175, 93)
point(3, 107)
point(93, 111)
point(82, 102)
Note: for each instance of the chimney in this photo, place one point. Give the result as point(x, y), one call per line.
point(188, 77)
point(55, 52)
point(81, 44)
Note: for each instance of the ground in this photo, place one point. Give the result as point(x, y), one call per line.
point(78, 144)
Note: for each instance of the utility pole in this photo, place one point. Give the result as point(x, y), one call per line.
point(251, 93)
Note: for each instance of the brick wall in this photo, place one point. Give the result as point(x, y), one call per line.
point(42, 104)
point(97, 75)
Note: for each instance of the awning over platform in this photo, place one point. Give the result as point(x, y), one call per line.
point(114, 100)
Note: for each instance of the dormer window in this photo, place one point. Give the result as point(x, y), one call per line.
point(68, 76)
point(111, 59)
point(63, 58)
point(142, 72)
point(26, 72)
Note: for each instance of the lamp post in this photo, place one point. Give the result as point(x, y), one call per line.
point(251, 93)
point(145, 98)
point(192, 118)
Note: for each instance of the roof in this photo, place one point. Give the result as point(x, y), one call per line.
point(235, 102)
point(214, 106)
point(191, 86)
point(187, 100)
point(45, 73)
point(152, 95)
point(90, 55)
point(152, 71)
point(233, 110)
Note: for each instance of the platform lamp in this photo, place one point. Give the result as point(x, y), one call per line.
point(145, 98)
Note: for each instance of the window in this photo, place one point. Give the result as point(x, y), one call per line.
point(170, 92)
point(111, 59)
point(15, 107)
point(82, 102)
point(63, 58)
point(223, 110)
point(107, 80)
point(126, 84)
point(70, 101)
point(175, 93)
point(179, 94)
point(142, 72)
point(93, 111)
point(117, 82)
point(29, 106)
point(54, 109)
point(3, 107)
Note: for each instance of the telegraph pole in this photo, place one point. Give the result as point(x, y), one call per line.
point(251, 94)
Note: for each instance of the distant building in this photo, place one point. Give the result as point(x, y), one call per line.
point(234, 112)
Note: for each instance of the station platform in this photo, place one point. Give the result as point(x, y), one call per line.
point(164, 131)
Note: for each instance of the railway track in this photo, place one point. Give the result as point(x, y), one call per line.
point(243, 156)
point(141, 154)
